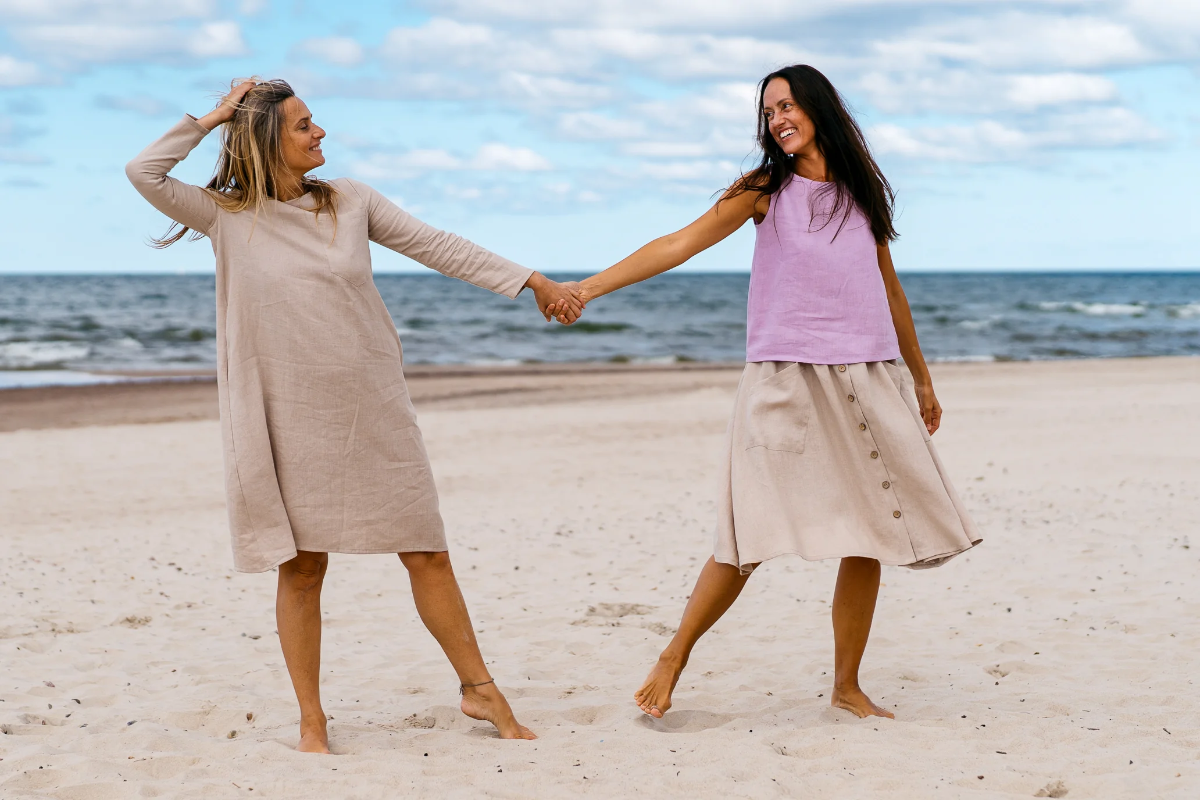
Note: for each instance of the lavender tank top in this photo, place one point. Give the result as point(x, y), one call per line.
point(815, 298)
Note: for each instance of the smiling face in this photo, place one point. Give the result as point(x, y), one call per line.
point(301, 138)
point(790, 127)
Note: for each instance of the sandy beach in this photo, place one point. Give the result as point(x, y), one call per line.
point(1055, 660)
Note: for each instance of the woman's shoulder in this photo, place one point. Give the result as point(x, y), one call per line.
point(352, 192)
point(349, 186)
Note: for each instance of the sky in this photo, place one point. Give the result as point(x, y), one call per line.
point(564, 134)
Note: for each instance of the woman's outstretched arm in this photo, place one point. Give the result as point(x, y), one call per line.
point(452, 255)
point(669, 251)
point(910, 348)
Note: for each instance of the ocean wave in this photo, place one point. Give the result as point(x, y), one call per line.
point(1095, 309)
point(33, 355)
point(1187, 311)
point(979, 324)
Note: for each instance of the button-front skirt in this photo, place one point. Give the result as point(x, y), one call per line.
point(830, 461)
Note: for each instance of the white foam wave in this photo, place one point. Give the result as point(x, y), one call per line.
point(28, 355)
point(1097, 309)
point(979, 324)
point(1184, 312)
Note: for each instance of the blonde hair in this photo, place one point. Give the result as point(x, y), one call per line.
point(251, 160)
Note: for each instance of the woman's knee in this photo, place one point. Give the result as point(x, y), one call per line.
point(306, 571)
point(419, 562)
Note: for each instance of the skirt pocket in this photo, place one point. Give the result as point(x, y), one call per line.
point(777, 411)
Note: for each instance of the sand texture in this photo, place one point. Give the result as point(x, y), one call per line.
point(1058, 659)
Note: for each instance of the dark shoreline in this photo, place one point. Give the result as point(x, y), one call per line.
point(171, 397)
point(435, 388)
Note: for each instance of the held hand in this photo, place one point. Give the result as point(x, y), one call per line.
point(229, 104)
point(579, 292)
point(931, 409)
point(555, 300)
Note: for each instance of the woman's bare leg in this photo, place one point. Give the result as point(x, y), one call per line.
point(853, 609)
point(298, 616)
point(442, 608)
point(716, 589)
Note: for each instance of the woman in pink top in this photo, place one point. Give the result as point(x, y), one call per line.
point(829, 454)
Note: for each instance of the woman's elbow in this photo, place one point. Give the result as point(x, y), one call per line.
point(135, 172)
point(677, 249)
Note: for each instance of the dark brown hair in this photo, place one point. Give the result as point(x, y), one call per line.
point(857, 179)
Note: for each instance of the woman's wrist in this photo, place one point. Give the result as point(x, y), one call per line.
point(535, 281)
point(590, 289)
point(214, 119)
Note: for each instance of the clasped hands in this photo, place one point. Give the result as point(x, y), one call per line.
point(564, 302)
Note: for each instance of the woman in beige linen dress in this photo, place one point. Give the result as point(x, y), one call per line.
point(829, 452)
point(322, 450)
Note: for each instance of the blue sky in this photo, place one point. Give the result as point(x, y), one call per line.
point(1046, 134)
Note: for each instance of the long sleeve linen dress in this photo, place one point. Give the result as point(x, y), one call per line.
point(321, 445)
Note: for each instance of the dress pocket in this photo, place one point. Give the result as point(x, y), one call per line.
point(896, 373)
point(777, 411)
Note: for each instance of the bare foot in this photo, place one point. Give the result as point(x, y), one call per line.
point(654, 698)
point(486, 703)
point(857, 703)
point(314, 737)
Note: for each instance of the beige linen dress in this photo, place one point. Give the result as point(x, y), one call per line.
point(833, 460)
point(322, 450)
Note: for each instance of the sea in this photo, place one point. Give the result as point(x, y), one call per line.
point(67, 329)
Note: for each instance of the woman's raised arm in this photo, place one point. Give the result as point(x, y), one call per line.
point(668, 252)
point(186, 204)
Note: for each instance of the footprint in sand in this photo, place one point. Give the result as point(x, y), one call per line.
point(686, 721)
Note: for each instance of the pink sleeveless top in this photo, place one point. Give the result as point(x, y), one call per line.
point(814, 298)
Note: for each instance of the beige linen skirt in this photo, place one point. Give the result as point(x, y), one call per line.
point(830, 461)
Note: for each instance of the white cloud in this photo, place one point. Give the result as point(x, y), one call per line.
point(690, 171)
point(681, 56)
point(959, 91)
point(130, 11)
point(492, 157)
point(545, 94)
point(341, 51)
point(108, 43)
point(1059, 88)
point(449, 44)
point(722, 102)
point(505, 158)
point(989, 141)
point(586, 125)
point(1015, 40)
point(1008, 73)
point(1174, 24)
point(142, 104)
point(19, 73)
point(216, 40)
